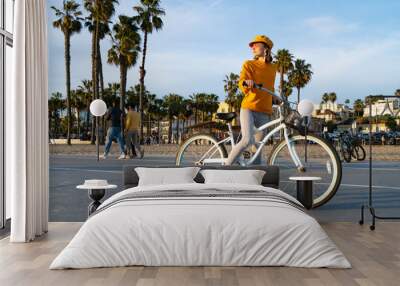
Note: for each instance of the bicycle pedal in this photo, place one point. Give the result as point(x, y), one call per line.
point(246, 154)
point(301, 169)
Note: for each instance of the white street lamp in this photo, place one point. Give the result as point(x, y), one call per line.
point(305, 108)
point(98, 108)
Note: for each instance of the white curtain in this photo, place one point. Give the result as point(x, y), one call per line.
point(26, 124)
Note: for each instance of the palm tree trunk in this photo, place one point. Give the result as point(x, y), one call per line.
point(79, 123)
point(177, 129)
point(281, 81)
point(148, 124)
point(169, 130)
point(87, 115)
point(123, 73)
point(281, 92)
point(142, 72)
point(298, 95)
point(101, 85)
point(68, 84)
point(100, 70)
point(94, 81)
point(158, 131)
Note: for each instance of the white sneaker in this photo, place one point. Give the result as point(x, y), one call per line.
point(122, 156)
point(103, 156)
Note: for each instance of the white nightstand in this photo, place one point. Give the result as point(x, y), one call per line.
point(305, 190)
point(96, 191)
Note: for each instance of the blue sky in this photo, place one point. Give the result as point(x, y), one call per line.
point(353, 46)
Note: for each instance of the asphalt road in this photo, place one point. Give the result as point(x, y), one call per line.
point(70, 204)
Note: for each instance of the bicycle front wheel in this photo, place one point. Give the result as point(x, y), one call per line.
point(358, 153)
point(322, 161)
point(346, 152)
point(198, 148)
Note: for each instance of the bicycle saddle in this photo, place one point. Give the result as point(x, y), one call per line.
point(229, 116)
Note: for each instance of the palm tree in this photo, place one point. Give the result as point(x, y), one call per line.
point(97, 67)
point(100, 13)
point(194, 98)
point(133, 95)
point(149, 105)
point(173, 104)
point(56, 104)
point(149, 19)
point(178, 106)
point(287, 88)
point(332, 97)
point(325, 97)
point(69, 22)
point(86, 89)
point(283, 59)
point(187, 112)
point(212, 104)
point(202, 105)
point(231, 88)
point(156, 110)
point(78, 99)
point(124, 50)
point(358, 106)
point(300, 75)
point(238, 100)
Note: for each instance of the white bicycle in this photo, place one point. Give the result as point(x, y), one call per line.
point(297, 153)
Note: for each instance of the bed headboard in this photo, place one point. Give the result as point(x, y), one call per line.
point(270, 179)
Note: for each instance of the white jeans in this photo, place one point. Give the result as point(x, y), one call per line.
point(249, 119)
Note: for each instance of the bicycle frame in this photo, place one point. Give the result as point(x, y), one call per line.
point(280, 125)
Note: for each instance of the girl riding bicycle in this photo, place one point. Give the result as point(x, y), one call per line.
point(256, 107)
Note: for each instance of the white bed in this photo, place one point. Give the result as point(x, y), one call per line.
point(131, 229)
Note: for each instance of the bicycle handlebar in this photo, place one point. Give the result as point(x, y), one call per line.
point(260, 87)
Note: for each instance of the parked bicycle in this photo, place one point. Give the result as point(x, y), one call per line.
point(358, 151)
point(349, 147)
point(291, 154)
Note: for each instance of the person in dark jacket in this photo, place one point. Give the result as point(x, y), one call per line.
point(116, 116)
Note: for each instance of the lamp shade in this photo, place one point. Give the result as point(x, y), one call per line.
point(305, 107)
point(98, 107)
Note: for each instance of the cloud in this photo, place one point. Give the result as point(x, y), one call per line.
point(329, 25)
point(215, 3)
point(354, 69)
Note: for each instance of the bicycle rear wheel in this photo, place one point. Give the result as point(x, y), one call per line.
point(199, 147)
point(322, 161)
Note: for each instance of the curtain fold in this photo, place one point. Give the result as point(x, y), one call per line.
point(27, 119)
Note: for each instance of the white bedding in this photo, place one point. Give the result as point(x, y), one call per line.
point(200, 231)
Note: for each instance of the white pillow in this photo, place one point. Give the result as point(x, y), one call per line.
point(249, 177)
point(166, 176)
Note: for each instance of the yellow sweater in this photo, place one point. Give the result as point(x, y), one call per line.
point(132, 121)
point(259, 72)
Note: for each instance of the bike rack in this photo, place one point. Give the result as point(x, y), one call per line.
point(370, 201)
